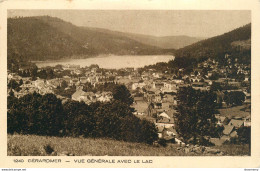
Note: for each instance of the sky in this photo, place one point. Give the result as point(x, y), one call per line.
point(194, 23)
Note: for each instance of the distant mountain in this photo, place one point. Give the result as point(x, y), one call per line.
point(237, 42)
point(166, 42)
point(43, 38)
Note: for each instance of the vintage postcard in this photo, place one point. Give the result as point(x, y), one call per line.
point(153, 83)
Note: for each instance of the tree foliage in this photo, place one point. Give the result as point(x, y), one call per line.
point(195, 118)
point(35, 114)
point(122, 94)
point(234, 98)
point(45, 115)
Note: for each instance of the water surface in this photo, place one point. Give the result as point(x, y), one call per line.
point(111, 61)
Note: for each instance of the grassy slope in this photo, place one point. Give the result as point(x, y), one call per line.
point(31, 145)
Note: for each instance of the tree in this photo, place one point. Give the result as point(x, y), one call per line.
point(122, 94)
point(11, 93)
point(78, 119)
point(35, 114)
point(13, 84)
point(64, 84)
point(214, 76)
point(215, 86)
point(234, 98)
point(43, 74)
point(20, 82)
point(244, 135)
point(195, 118)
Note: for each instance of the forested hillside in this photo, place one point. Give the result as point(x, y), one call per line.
point(42, 38)
point(165, 42)
point(236, 42)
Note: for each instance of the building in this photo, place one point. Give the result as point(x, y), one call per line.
point(87, 97)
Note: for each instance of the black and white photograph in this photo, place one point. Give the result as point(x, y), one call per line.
point(128, 82)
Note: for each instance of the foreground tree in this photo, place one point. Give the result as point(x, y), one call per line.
point(195, 119)
point(78, 119)
point(121, 93)
point(35, 114)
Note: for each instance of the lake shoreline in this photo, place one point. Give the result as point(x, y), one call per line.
point(109, 61)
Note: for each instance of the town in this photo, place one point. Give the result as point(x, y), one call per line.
point(154, 91)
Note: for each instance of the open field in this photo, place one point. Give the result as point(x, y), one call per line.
point(32, 145)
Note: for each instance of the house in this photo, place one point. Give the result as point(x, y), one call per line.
point(248, 98)
point(200, 86)
point(228, 129)
point(209, 82)
point(157, 75)
point(170, 85)
point(225, 138)
point(104, 96)
point(195, 79)
point(123, 80)
point(217, 141)
point(178, 81)
point(66, 78)
point(165, 122)
point(168, 134)
point(169, 98)
point(158, 98)
point(81, 95)
point(246, 78)
point(236, 123)
point(157, 105)
point(138, 85)
point(164, 115)
point(149, 96)
point(54, 82)
point(166, 90)
point(83, 80)
point(157, 85)
point(140, 106)
point(160, 130)
point(137, 99)
point(222, 120)
point(71, 67)
point(247, 121)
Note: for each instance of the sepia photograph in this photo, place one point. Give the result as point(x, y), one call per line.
point(128, 82)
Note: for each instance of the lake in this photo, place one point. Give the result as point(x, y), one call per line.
point(111, 61)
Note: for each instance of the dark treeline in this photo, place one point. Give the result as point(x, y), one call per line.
point(46, 115)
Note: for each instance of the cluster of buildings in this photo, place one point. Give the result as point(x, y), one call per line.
point(230, 127)
point(154, 92)
point(90, 97)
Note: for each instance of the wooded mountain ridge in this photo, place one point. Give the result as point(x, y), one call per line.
point(44, 38)
point(50, 38)
point(236, 42)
